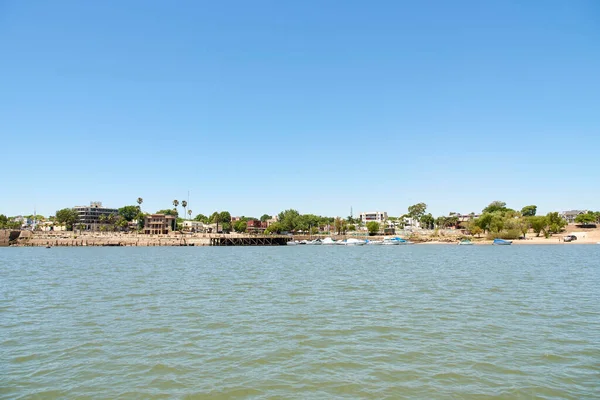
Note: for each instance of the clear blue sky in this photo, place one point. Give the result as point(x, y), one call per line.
point(259, 106)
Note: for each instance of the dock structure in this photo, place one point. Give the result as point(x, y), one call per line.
point(226, 240)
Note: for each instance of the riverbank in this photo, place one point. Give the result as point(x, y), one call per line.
point(83, 239)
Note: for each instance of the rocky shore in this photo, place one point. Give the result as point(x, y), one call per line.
point(71, 239)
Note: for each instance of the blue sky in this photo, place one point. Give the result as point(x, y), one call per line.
point(255, 107)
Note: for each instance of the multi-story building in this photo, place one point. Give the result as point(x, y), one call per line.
point(159, 224)
point(90, 216)
point(194, 226)
point(377, 216)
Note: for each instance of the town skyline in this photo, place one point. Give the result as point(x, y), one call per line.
point(147, 207)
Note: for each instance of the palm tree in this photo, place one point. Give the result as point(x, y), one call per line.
point(140, 201)
point(184, 205)
point(190, 214)
point(176, 203)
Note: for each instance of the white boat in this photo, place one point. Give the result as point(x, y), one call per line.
point(374, 242)
point(292, 243)
point(328, 240)
point(355, 242)
point(315, 242)
point(465, 242)
point(395, 241)
point(340, 242)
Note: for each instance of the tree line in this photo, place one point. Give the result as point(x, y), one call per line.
point(496, 219)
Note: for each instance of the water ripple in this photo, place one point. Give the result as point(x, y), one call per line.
point(301, 322)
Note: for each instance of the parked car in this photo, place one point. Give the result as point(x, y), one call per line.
point(569, 238)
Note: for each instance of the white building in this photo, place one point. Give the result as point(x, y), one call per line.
point(377, 216)
point(194, 226)
point(411, 223)
point(90, 216)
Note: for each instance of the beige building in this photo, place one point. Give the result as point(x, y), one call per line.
point(194, 226)
point(159, 224)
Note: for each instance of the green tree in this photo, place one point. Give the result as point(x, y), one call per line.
point(240, 226)
point(497, 223)
point(523, 224)
point(427, 221)
point(68, 217)
point(202, 218)
point(225, 218)
point(555, 222)
point(586, 219)
point(416, 211)
point(529, 211)
point(373, 227)
point(484, 221)
point(129, 212)
point(275, 227)
point(539, 224)
point(495, 206)
point(265, 218)
point(476, 230)
point(441, 222)
point(140, 201)
point(289, 219)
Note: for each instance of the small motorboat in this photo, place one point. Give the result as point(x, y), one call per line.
point(315, 242)
point(354, 242)
point(374, 242)
point(328, 240)
point(395, 241)
point(465, 242)
point(502, 242)
point(292, 243)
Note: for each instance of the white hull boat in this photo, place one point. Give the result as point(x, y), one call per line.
point(355, 242)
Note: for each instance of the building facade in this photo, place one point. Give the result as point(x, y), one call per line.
point(255, 226)
point(91, 217)
point(159, 224)
point(194, 226)
point(377, 216)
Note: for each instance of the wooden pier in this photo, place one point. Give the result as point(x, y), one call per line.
point(227, 240)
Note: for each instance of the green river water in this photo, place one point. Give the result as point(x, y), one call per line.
point(303, 322)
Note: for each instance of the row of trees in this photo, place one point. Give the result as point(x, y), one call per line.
point(495, 219)
point(7, 223)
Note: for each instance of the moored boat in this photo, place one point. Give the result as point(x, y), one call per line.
point(328, 241)
point(395, 241)
point(314, 242)
point(354, 242)
point(465, 242)
point(502, 242)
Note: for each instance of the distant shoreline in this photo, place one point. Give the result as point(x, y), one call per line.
point(106, 239)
